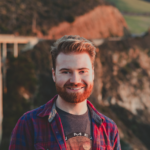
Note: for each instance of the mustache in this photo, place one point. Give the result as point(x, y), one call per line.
point(72, 85)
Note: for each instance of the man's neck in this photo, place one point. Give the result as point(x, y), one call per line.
point(75, 109)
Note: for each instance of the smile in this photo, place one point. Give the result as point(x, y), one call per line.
point(75, 89)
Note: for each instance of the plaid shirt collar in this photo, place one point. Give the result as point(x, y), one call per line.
point(50, 111)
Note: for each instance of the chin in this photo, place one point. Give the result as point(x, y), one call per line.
point(74, 95)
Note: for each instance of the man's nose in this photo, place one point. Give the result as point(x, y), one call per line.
point(75, 78)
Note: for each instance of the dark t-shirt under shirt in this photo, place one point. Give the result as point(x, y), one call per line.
point(77, 129)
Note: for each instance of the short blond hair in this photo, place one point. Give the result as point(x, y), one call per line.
point(72, 43)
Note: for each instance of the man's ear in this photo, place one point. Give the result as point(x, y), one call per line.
point(53, 74)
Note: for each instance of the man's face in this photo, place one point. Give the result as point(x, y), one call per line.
point(73, 76)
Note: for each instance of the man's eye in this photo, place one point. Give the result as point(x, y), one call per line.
point(66, 72)
point(82, 72)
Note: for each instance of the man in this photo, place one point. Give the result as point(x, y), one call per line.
point(68, 120)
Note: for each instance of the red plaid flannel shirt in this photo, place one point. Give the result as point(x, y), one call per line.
point(41, 129)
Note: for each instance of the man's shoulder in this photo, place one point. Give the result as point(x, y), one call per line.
point(33, 113)
point(30, 116)
point(104, 118)
point(28, 124)
point(108, 126)
point(107, 120)
point(41, 111)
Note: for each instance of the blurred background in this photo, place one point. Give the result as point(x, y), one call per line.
point(120, 29)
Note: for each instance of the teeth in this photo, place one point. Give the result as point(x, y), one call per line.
point(75, 88)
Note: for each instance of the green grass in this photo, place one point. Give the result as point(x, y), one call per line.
point(137, 6)
point(137, 24)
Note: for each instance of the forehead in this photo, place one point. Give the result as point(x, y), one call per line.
point(73, 60)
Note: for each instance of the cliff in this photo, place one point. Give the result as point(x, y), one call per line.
point(125, 74)
point(122, 84)
point(101, 22)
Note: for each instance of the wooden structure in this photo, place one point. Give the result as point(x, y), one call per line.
point(15, 40)
point(1, 99)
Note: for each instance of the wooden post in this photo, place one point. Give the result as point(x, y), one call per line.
point(1, 98)
point(15, 49)
point(4, 55)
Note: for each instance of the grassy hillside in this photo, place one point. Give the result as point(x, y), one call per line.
point(137, 6)
point(137, 24)
point(136, 18)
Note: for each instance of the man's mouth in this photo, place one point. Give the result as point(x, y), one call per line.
point(75, 89)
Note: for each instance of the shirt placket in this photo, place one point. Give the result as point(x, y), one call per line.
point(96, 136)
point(57, 128)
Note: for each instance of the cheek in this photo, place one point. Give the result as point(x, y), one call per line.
point(88, 79)
point(60, 80)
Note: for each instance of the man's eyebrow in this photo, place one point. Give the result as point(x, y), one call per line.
point(83, 69)
point(70, 69)
point(63, 69)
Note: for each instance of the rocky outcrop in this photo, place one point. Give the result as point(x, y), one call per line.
point(126, 73)
point(101, 22)
point(124, 67)
point(135, 93)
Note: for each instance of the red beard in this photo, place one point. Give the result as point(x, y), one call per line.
point(75, 97)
